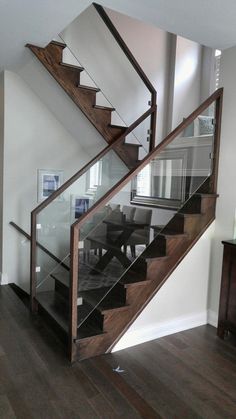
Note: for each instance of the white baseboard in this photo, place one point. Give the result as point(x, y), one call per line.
point(212, 318)
point(158, 330)
point(3, 279)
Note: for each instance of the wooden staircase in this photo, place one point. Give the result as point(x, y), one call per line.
point(68, 77)
point(91, 321)
point(108, 313)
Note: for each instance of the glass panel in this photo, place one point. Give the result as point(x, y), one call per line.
point(54, 221)
point(180, 168)
point(82, 37)
point(115, 243)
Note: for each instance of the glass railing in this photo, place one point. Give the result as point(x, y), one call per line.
point(53, 218)
point(111, 243)
point(116, 68)
point(117, 246)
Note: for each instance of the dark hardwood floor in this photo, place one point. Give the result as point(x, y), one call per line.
point(191, 374)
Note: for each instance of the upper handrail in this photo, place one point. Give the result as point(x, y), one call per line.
point(168, 139)
point(87, 166)
point(124, 48)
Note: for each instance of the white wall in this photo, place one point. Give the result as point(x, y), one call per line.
point(151, 47)
point(34, 139)
point(182, 301)
point(187, 79)
point(1, 158)
point(226, 205)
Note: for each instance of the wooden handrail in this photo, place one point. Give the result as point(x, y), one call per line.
point(157, 150)
point(85, 168)
point(124, 47)
point(44, 249)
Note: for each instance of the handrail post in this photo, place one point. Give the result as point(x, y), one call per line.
point(33, 303)
point(153, 123)
point(73, 291)
point(216, 146)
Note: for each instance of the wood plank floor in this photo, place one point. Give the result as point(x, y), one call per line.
point(191, 374)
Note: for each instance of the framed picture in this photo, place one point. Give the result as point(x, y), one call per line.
point(79, 205)
point(48, 182)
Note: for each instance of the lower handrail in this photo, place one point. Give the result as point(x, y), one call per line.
point(40, 246)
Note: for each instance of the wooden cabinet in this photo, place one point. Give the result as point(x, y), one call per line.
point(227, 309)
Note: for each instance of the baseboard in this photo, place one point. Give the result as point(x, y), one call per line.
point(3, 279)
point(158, 330)
point(212, 318)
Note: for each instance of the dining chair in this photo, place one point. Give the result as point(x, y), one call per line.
point(140, 237)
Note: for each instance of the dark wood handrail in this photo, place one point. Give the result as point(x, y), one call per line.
point(168, 139)
point(124, 47)
point(44, 249)
point(85, 168)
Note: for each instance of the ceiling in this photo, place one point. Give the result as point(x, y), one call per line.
point(209, 22)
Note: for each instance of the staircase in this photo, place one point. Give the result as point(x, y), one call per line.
point(115, 312)
point(90, 319)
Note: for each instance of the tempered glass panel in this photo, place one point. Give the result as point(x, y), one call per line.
point(88, 39)
point(178, 170)
point(55, 220)
point(122, 235)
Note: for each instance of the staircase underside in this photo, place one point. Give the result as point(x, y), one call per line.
point(109, 321)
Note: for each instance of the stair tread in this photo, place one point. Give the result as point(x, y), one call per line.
point(60, 44)
point(172, 234)
point(117, 126)
point(156, 253)
point(83, 86)
point(189, 214)
point(47, 300)
point(75, 67)
point(57, 307)
point(105, 108)
point(133, 145)
point(87, 331)
point(136, 283)
point(208, 195)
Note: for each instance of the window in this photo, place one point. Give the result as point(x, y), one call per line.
point(94, 177)
point(217, 68)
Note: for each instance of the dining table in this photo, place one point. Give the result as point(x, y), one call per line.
point(118, 234)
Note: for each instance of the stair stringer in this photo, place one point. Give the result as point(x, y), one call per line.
point(138, 296)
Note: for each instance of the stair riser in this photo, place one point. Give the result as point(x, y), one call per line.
point(159, 243)
point(130, 159)
point(102, 115)
point(96, 319)
point(109, 301)
point(55, 51)
point(175, 225)
point(136, 273)
point(61, 289)
point(208, 203)
point(193, 205)
point(133, 292)
point(198, 204)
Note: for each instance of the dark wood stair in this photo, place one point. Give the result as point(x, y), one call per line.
point(68, 76)
point(106, 313)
